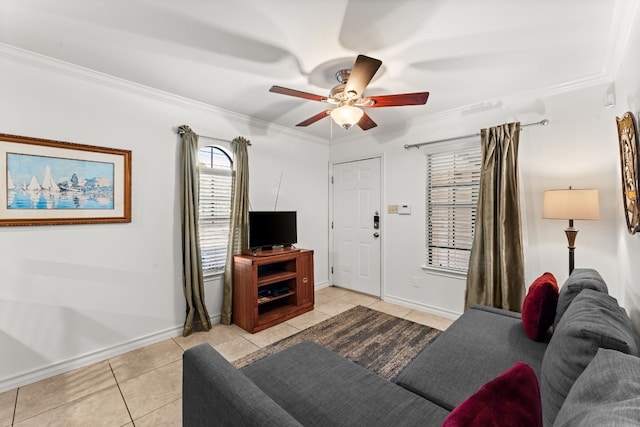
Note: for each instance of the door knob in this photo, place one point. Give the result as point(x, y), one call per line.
point(376, 234)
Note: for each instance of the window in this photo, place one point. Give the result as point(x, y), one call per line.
point(215, 207)
point(453, 182)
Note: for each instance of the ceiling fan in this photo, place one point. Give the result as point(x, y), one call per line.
point(348, 96)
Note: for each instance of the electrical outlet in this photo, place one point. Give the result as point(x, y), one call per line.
point(392, 209)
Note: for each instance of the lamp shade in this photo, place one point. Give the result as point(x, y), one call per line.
point(347, 115)
point(571, 204)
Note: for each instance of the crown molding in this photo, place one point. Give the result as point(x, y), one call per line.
point(624, 15)
point(515, 99)
point(67, 69)
point(623, 19)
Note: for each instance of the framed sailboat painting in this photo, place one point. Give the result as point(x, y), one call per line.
point(45, 182)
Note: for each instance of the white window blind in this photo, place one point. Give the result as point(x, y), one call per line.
point(215, 211)
point(453, 181)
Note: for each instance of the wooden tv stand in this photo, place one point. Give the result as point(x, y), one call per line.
point(281, 269)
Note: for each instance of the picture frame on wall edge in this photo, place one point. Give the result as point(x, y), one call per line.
point(47, 182)
point(628, 141)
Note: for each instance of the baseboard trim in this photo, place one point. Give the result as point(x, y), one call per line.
point(38, 374)
point(322, 285)
point(35, 375)
point(438, 311)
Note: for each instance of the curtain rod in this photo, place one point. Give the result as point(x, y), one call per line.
point(179, 132)
point(543, 122)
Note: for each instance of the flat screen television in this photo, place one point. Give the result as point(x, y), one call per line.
point(272, 228)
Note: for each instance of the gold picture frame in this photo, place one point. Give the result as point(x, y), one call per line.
point(46, 182)
point(628, 140)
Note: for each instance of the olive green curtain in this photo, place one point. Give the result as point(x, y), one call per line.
point(197, 316)
point(239, 224)
point(496, 265)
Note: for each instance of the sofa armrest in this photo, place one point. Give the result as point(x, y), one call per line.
point(214, 392)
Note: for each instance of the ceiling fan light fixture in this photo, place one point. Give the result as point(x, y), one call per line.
point(348, 96)
point(347, 115)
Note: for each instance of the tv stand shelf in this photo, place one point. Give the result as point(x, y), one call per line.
point(276, 277)
point(264, 300)
point(287, 271)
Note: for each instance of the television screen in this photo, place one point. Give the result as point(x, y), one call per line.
point(272, 228)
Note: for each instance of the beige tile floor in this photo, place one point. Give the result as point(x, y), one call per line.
point(143, 387)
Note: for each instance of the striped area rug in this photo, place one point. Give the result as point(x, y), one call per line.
point(382, 343)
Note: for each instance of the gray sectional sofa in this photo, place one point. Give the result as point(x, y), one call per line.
point(588, 371)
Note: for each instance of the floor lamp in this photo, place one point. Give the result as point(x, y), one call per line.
point(571, 204)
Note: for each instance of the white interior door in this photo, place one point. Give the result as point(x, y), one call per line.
point(356, 236)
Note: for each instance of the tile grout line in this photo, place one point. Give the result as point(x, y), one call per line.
point(121, 394)
point(177, 343)
point(15, 407)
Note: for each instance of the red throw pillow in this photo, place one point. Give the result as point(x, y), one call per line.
point(539, 307)
point(512, 399)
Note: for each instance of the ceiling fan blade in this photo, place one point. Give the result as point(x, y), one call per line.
point(361, 74)
point(297, 93)
point(418, 98)
point(315, 118)
point(366, 123)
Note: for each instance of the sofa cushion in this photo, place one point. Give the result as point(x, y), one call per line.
point(476, 348)
point(320, 388)
point(593, 320)
point(606, 393)
point(511, 399)
point(214, 392)
point(539, 306)
point(581, 278)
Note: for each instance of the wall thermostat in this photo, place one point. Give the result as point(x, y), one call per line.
point(404, 209)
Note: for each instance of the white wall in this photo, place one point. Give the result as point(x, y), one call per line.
point(74, 294)
point(578, 148)
point(628, 251)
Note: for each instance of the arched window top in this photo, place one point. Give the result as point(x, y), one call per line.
point(213, 156)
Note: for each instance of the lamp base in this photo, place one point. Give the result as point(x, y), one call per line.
point(571, 233)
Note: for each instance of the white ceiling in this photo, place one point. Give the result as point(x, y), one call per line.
point(469, 54)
